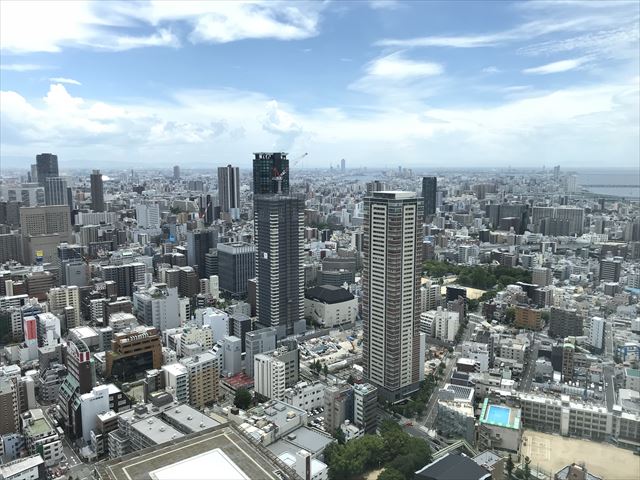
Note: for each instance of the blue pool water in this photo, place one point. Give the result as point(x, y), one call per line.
point(498, 415)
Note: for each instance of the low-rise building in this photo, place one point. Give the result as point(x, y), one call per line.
point(330, 306)
point(41, 437)
point(305, 395)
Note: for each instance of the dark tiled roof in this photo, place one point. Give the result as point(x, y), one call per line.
point(453, 467)
point(329, 294)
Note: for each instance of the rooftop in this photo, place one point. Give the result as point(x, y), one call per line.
point(156, 430)
point(453, 467)
point(632, 372)
point(211, 465)
point(329, 294)
point(500, 415)
point(148, 463)
point(10, 469)
point(190, 419)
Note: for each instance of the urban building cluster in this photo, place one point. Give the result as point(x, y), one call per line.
point(290, 309)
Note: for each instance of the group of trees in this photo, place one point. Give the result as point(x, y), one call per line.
point(521, 474)
point(400, 454)
point(416, 404)
point(481, 277)
point(243, 399)
point(319, 368)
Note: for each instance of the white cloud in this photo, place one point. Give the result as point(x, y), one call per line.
point(70, 81)
point(44, 26)
point(557, 67)
point(540, 22)
point(22, 67)
point(397, 67)
point(491, 69)
point(385, 4)
point(576, 125)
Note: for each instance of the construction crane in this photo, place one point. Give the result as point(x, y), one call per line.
point(278, 176)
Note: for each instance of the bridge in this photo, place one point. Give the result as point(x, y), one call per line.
point(602, 185)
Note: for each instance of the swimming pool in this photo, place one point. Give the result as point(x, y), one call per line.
point(498, 415)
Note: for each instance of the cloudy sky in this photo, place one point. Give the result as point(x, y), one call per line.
point(379, 83)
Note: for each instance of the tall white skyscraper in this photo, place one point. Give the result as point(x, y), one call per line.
point(596, 333)
point(391, 292)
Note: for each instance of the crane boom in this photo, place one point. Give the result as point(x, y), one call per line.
point(279, 176)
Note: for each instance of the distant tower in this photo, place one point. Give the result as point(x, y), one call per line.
point(429, 188)
point(176, 172)
point(46, 166)
point(229, 191)
point(391, 292)
point(266, 166)
point(343, 165)
point(97, 192)
point(55, 191)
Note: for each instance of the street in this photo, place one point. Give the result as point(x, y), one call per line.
point(431, 404)
point(530, 369)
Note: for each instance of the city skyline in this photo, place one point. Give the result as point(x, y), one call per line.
point(496, 83)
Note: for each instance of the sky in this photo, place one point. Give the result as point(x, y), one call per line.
point(379, 83)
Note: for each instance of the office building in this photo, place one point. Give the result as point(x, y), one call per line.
point(375, 186)
point(241, 324)
point(11, 247)
point(236, 265)
point(199, 243)
point(176, 172)
point(148, 215)
point(528, 318)
point(46, 166)
point(390, 292)
point(596, 333)
point(440, 324)
point(157, 306)
point(60, 298)
point(256, 342)
point(124, 276)
point(55, 191)
point(203, 379)
point(365, 407)
point(9, 405)
point(305, 395)
point(97, 192)
point(229, 192)
point(46, 220)
point(542, 276)
point(232, 356)
point(564, 323)
point(266, 167)
point(338, 406)
point(27, 468)
point(429, 189)
point(176, 381)
point(269, 376)
point(133, 352)
point(41, 437)
point(217, 320)
point(610, 270)
point(279, 230)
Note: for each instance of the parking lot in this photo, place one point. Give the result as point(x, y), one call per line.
point(316, 418)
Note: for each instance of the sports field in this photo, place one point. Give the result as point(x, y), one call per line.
point(553, 452)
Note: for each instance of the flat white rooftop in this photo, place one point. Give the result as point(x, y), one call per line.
point(211, 465)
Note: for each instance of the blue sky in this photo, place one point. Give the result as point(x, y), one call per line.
point(424, 84)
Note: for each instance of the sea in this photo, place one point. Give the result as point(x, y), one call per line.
point(630, 177)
